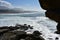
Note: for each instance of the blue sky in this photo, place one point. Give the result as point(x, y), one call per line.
point(27, 4)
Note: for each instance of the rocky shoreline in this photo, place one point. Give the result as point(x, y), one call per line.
point(12, 33)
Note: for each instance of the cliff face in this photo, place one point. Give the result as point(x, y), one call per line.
point(53, 11)
point(52, 7)
point(50, 4)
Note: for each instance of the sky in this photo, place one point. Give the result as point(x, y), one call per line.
point(25, 4)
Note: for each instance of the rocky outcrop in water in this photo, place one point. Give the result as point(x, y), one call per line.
point(12, 33)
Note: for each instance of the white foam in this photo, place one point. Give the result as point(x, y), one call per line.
point(40, 23)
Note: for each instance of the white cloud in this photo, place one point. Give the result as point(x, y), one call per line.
point(5, 4)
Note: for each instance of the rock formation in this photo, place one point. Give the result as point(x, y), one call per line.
point(53, 10)
point(12, 33)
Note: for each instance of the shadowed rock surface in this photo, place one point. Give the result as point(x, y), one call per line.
point(12, 33)
point(53, 10)
point(50, 4)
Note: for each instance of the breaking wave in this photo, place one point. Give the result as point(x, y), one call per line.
point(38, 20)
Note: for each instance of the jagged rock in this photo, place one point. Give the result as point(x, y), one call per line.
point(11, 33)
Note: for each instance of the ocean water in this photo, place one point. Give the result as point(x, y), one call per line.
point(38, 20)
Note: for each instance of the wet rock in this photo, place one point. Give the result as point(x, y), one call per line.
point(2, 31)
point(25, 27)
point(11, 33)
point(58, 27)
point(31, 27)
point(18, 25)
point(57, 32)
point(36, 36)
point(22, 27)
point(57, 38)
point(8, 36)
point(16, 35)
point(20, 35)
point(19, 32)
point(37, 33)
point(13, 28)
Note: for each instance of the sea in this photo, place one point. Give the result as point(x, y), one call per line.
point(36, 19)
